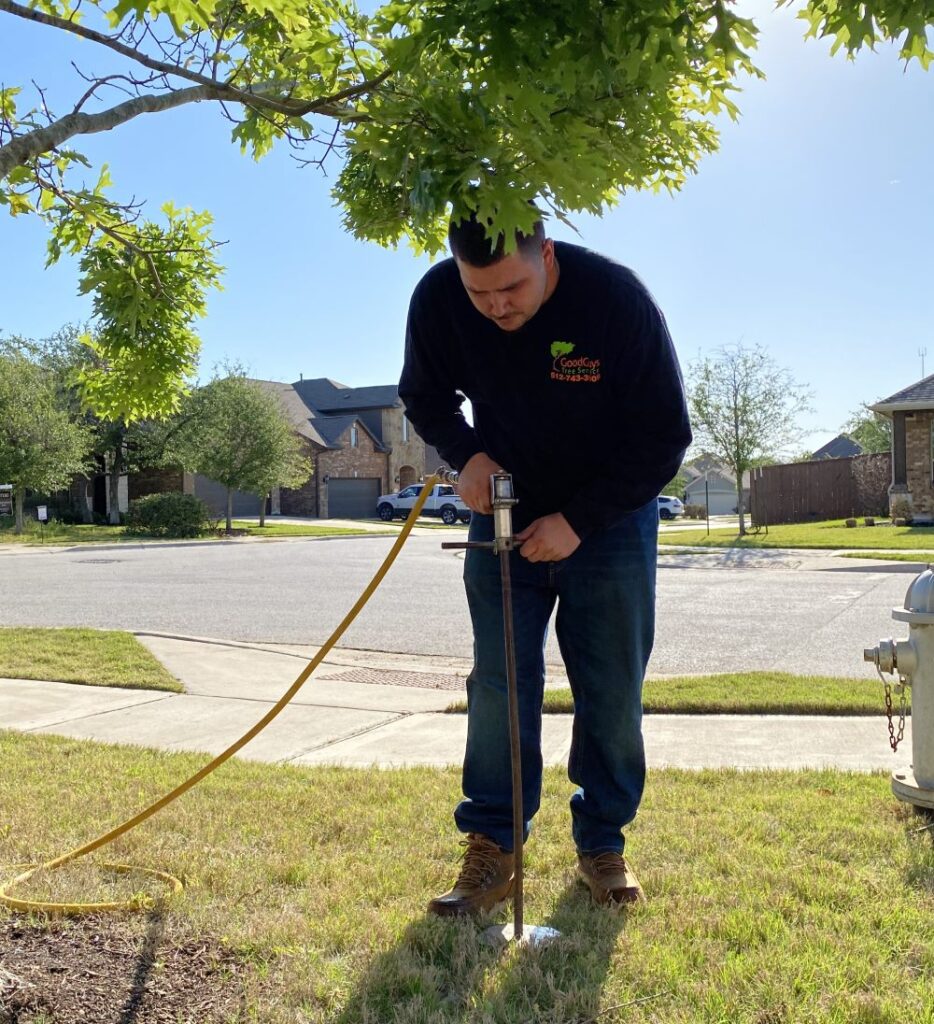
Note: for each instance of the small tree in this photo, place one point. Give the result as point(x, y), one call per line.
point(41, 446)
point(744, 410)
point(870, 430)
point(234, 431)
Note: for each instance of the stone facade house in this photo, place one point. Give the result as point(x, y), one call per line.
point(912, 413)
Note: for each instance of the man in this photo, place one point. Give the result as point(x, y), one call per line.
point(576, 391)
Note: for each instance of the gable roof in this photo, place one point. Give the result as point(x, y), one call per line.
point(323, 430)
point(332, 427)
point(328, 395)
point(916, 396)
point(841, 447)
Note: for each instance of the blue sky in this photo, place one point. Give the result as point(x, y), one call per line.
point(809, 232)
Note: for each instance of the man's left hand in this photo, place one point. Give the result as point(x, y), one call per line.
point(549, 539)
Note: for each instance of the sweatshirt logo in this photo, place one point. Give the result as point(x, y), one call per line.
point(580, 369)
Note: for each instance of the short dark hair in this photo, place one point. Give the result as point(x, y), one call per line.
point(468, 240)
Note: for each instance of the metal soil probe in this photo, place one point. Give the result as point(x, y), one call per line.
point(503, 543)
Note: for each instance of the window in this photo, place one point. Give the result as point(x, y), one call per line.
point(405, 429)
point(354, 439)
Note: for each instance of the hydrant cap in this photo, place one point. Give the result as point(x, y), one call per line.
point(920, 596)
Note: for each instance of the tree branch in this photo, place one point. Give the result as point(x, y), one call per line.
point(249, 97)
point(26, 147)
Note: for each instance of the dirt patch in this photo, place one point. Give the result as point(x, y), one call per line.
point(108, 971)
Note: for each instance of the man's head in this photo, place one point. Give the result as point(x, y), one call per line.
point(509, 290)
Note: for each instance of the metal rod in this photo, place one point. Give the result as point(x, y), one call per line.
point(515, 751)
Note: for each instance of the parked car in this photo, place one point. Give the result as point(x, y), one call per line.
point(444, 502)
point(669, 507)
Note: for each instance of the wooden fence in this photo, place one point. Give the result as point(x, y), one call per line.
point(829, 489)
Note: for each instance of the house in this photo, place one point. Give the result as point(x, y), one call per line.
point(912, 413)
point(711, 483)
point(841, 447)
point(358, 440)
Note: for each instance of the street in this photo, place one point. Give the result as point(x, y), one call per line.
point(710, 619)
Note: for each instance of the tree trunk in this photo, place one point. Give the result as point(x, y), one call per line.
point(739, 504)
point(18, 500)
point(262, 509)
point(229, 510)
point(85, 502)
point(113, 487)
point(117, 469)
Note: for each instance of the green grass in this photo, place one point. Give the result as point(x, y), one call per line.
point(772, 896)
point(91, 656)
point(921, 558)
point(65, 533)
point(274, 529)
point(743, 693)
point(56, 532)
point(830, 534)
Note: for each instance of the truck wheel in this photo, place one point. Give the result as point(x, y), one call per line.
point(448, 515)
point(385, 512)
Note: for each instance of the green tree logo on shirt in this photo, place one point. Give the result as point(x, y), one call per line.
point(561, 348)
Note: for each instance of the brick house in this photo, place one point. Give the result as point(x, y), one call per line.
point(359, 442)
point(912, 413)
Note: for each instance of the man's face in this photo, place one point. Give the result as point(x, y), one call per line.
point(511, 291)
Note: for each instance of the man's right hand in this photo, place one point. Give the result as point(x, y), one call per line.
point(473, 483)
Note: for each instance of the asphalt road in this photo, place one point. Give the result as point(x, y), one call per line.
point(709, 618)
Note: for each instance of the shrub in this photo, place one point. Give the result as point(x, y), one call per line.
point(901, 509)
point(695, 511)
point(167, 515)
point(850, 523)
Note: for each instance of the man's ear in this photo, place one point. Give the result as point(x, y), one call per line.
point(548, 252)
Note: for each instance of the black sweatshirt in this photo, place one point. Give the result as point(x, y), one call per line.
point(583, 404)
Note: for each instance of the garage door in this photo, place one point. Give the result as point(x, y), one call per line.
point(214, 495)
point(352, 499)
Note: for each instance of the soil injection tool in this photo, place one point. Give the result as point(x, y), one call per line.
point(503, 543)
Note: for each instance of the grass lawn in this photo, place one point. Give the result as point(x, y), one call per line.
point(93, 656)
point(274, 529)
point(921, 557)
point(772, 897)
point(67, 533)
point(744, 693)
point(830, 534)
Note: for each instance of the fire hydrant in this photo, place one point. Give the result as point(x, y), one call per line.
point(912, 661)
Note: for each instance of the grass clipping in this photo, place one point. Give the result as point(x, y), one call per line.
point(94, 657)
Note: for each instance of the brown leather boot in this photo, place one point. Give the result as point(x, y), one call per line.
point(610, 880)
point(484, 882)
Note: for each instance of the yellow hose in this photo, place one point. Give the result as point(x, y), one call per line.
point(137, 903)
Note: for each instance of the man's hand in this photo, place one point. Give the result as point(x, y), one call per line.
point(473, 483)
point(548, 539)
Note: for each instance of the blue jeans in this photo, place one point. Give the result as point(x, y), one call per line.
point(605, 592)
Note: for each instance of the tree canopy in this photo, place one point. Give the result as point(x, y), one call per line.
point(41, 446)
point(425, 103)
point(423, 107)
point(235, 431)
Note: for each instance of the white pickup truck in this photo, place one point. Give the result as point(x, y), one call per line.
point(443, 501)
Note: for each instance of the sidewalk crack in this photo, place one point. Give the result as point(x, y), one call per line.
point(347, 736)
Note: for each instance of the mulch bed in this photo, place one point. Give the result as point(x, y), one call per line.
point(107, 970)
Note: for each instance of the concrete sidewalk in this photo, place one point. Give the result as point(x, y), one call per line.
point(364, 708)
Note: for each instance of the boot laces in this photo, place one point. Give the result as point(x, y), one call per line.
point(481, 856)
point(609, 861)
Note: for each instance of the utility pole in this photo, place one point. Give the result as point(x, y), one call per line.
point(922, 352)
